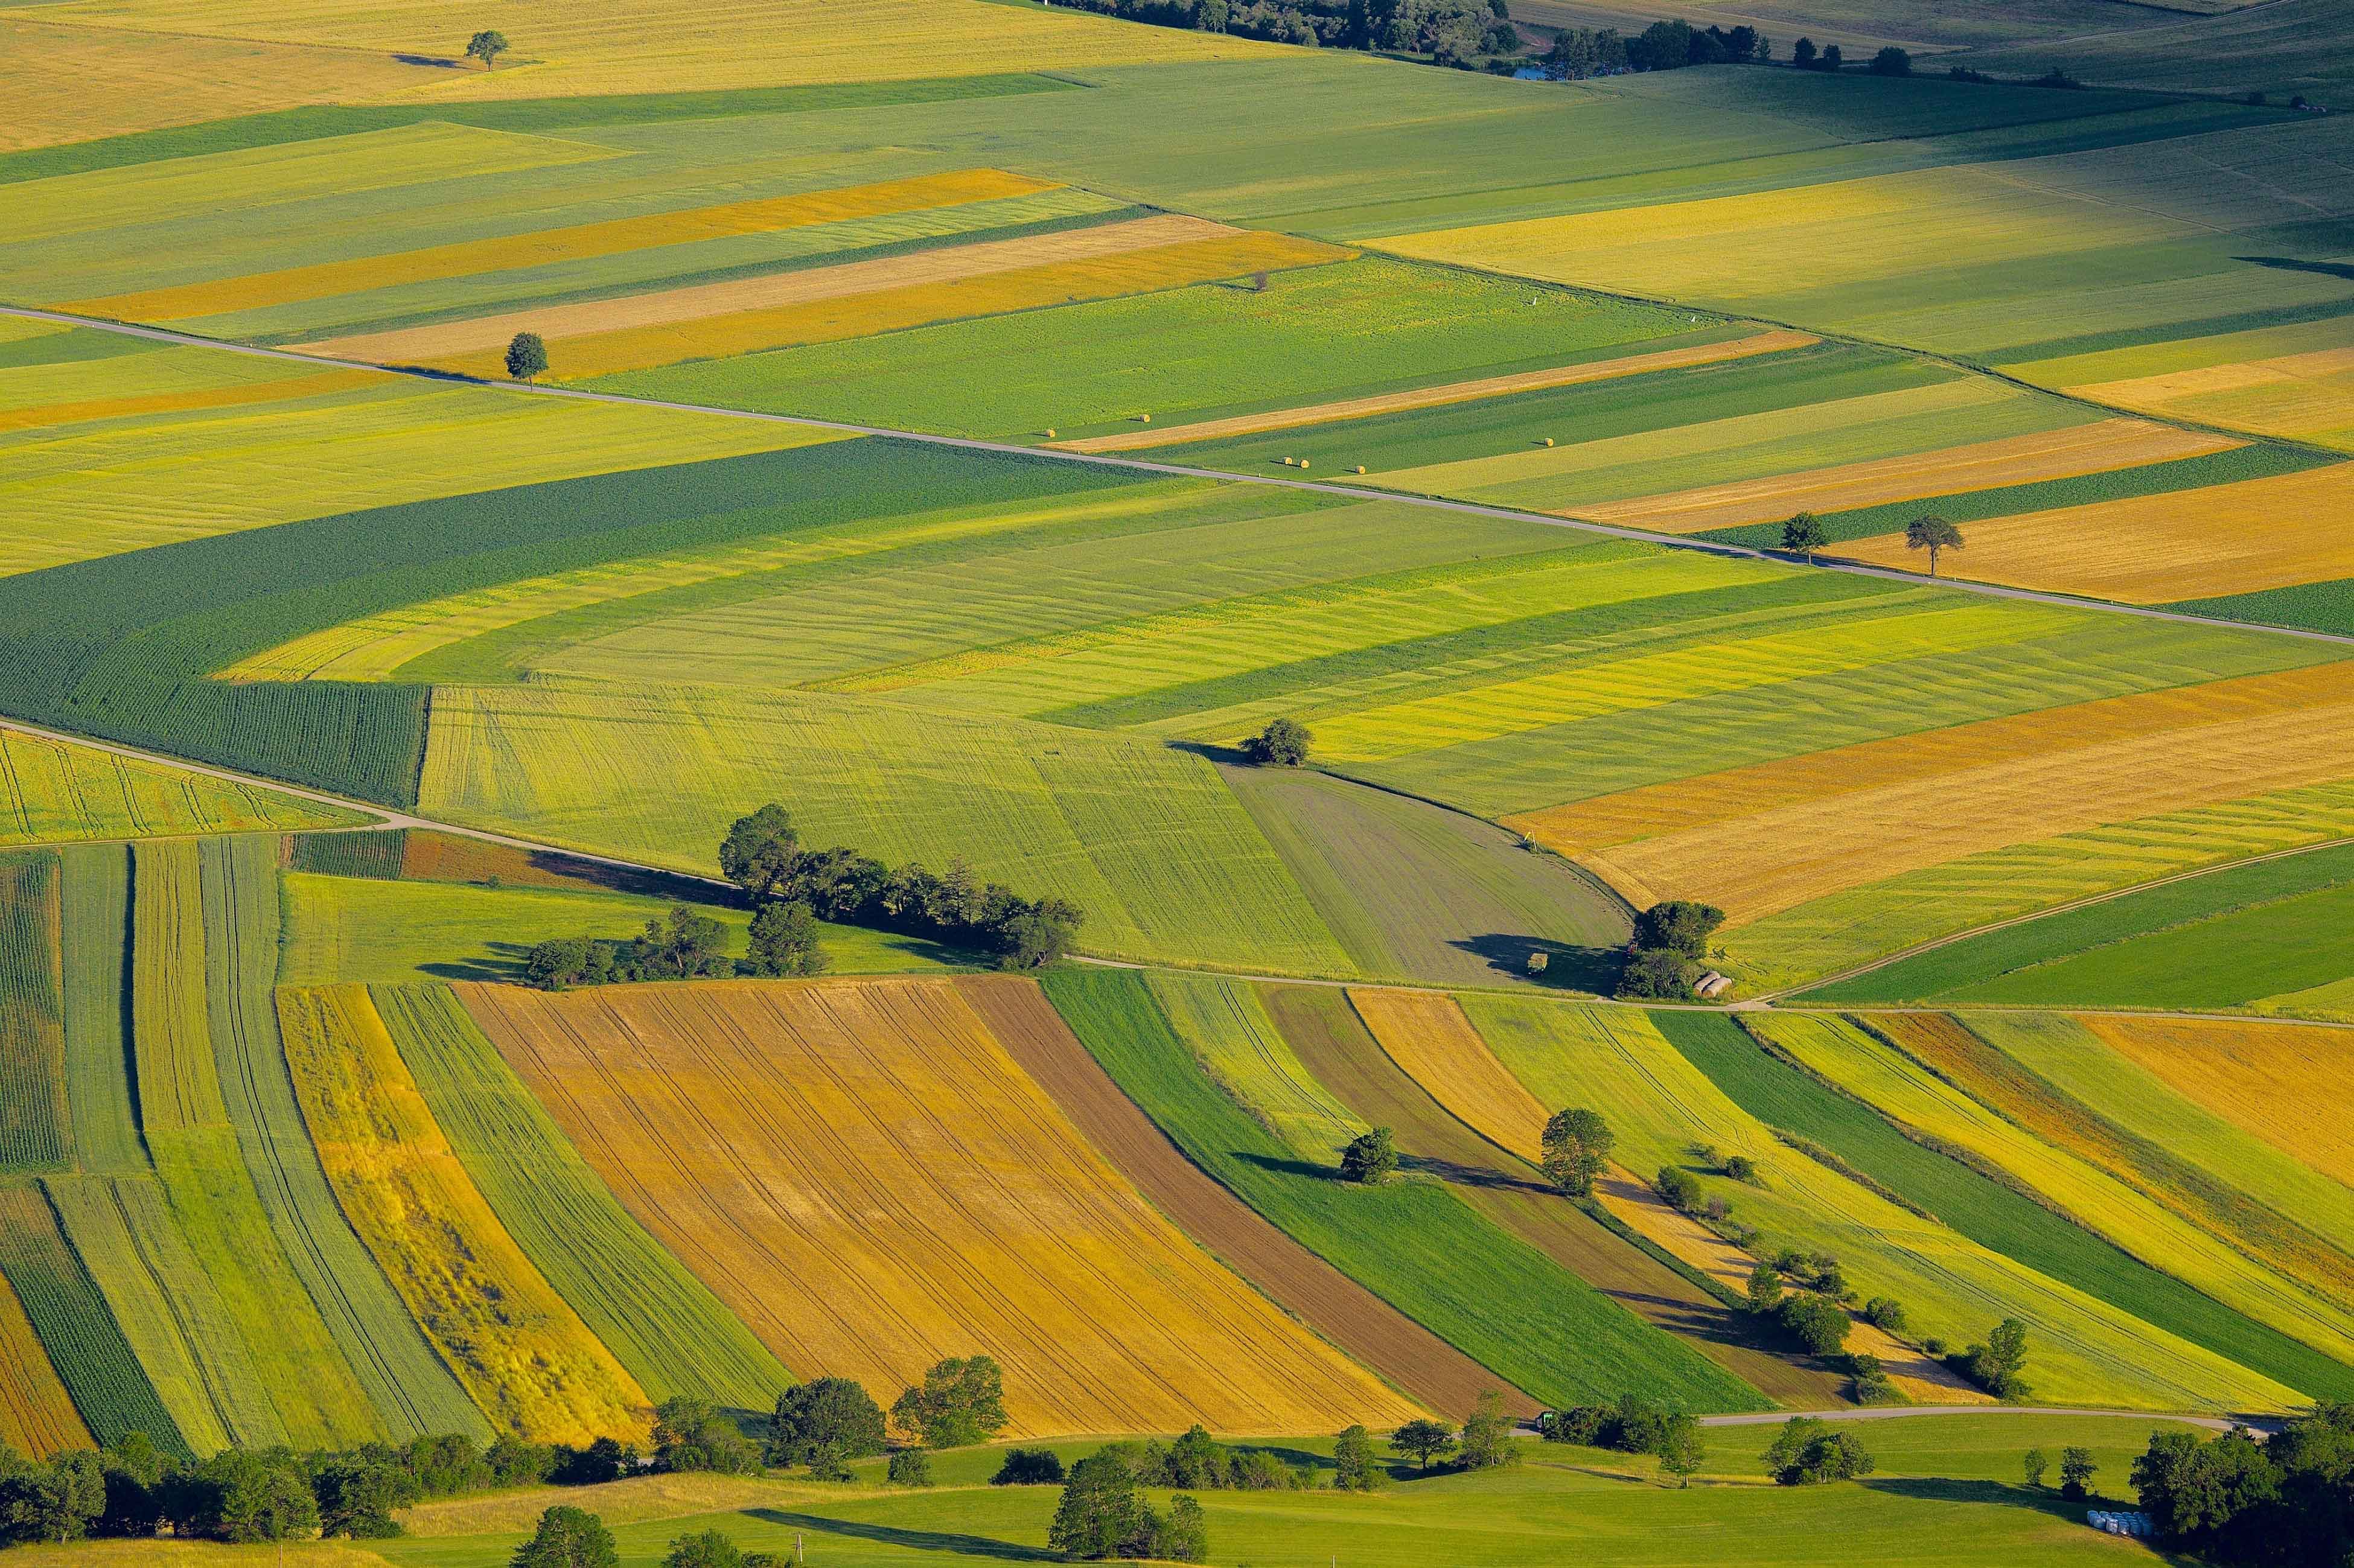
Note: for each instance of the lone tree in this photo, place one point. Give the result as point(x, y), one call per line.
point(824, 1423)
point(1577, 1144)
point(960, 1402)
point(1933, 535)
point(1354, 1466)
point(1804, 534)
point(1370, 1160)
point(1807, 1452)
point(1488, 1436)
point(1996, 1365)
point(1282, 744)
point(567, 1538)
point(487, 45)
point(2077, 1469)
point(526, 356)
point(1678, 926)
point(1891, 61)
point(1423, 1441)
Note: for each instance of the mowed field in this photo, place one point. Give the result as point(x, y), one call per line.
point(808, 1152)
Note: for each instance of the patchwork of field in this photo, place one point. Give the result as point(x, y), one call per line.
point(808, 1152)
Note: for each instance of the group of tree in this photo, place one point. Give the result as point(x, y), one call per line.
point(2077, 1469)
point(1670, 941)
point(686, 945)
point(1282, 744)
point(792, 887)
point(1810, 1452)
point(1459, 33)
point(1633, 1426)
point(1805, 57)
point(131, 1490)
point(827, 1422)
point(575, 1538)
point(1104, 1513)
point(1486, 1442)
point(1577, 53)
point(2238, 1498)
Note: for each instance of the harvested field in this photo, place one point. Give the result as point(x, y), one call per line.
point(1329, 1029)
point(724, 306)
point(109, 1389)
point(794, 1145)
point(35, 1134)
point(2093, 448)
point(541, 247)
point(2258, 535)
point(669, 1331)
point(1404, 1353)
point(523, 1355)
point(1769, 341)
point(2289, 1085)
point(37, 1415)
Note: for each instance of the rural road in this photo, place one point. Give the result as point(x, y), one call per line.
point(1899, 1411)
point(1182, 470)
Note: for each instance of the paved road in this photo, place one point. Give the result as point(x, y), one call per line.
point(1182, 470)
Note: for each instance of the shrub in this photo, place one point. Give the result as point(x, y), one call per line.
point(1029, 1467)
point(1370, 1158)
point(911, 1467)
point(1678, 1188)
point(1742, 1168)
point(1282, 744)
point(1807, 1452)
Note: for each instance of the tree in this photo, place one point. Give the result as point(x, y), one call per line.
point(1807, 1452)
point(1282, 744)
point(1681, 1453)
point(1658, 975)
point(1184, 1535)
point(910, 1467)
point(1802, 53)
point(57, 1502)
point(785, 941)
point(690, 1434)
point(557, 963)
point(1371, 1158)
point(1804, 534)
point(1933, 535)
point(2077, 1469)
point(824, 1423)
point(1037, 934)
point(960, 1402)
point(487, 45)
point(1678, 1188)
point(1886, 1312)
point(762, 853)
point(1833, 58)
point(1576, 1149)
point(2034, 1464)
point(260, 1498)
point(1814, 1321)
point(1891, 61)
point(357, 1496)
point(1354, 1466)
point(1488, 1436)
point(1764, 1287)
point(526, 356)
point(1100, 1512)
point(686, 946)
point(704, 1549)
point(1423, 1441)
point(1996, 1365)
point(1678, 926)
point(1029, 1467)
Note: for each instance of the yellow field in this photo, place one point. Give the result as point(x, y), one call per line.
point(548, 246)
point(94, 490)
point(1682, 805)
point(1796, 851)
point(1870, 230)
point(654, 45)
point(861, 1171)
point(53, 792)
point(179, 1086)
point(850, 300)
point(2154, 550)
point(2295, 381)
point(2013, 459)
point(1454, 392)
point(2291, 1085)
point(523, 1355)
point(55, 416)
point(36, 1417)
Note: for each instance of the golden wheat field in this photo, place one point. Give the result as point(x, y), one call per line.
point(1736, 794)
point(1767, 341)
point(37, 1415)
point(522, 1353)
point(2308, 395)
point(542, 248)
point(860, 1170)
point(2291, 1085)
point(2236, 538)
point(2093, 448)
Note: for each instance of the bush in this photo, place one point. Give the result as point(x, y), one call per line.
point(1282, 744)
point(911, 1467)
point(1029, 1467)
point(1807, 1452)
point(1678, 1188)
point(1742, 1168)
point(1371, 1158)
point(1891, 61)
point(1816, 1323)
point(1886, 1313)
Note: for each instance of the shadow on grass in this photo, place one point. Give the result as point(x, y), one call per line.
point(912, 1540)
point(2296, 264)
point(1996, 1494)
point(504, 962)
point(1567, 967)
point(1288, 1167)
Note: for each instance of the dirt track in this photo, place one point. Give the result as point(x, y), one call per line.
point(1410, 1356)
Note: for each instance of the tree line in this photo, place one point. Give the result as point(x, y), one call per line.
point(2242, 1500)
point(1451, 32)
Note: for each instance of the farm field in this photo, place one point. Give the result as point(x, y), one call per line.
point(58, 792)
point(770, 1136)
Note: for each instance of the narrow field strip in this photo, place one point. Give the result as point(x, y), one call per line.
point(37, 1415)
point(813, 1150)
point(1240, 1047)
point(2226, 539)
point(97, 948)
point(573, 242)
point(2289, 1085)
point(52, 791)
point(57, 416)
point(1769, 341)
point(520, 1350)
point(444, 341)
point(2073, 450)
point(35, 1131)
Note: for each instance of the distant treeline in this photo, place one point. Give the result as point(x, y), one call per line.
point(1452, 32)
point(1581, 52)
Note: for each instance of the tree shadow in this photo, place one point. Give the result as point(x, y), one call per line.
point(1460, 1174)
point(505, 964)
point(2296, 264)
point(1993, 1494)
point(912, 1540)
point(1230, 755)
point(1288, 1167)
point(1568, 967)
point(441, 60)
point(648, 882)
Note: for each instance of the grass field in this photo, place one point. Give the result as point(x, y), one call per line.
point(1414, 1242)
point(110, 1390)
point(667, 1330)
point(35, 1134)
point(521, 1352)
point(95, 899)
point(793, 1145)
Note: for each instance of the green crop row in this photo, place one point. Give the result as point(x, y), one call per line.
point(33, 1125)
point(1412, 1243)
point(96, 928)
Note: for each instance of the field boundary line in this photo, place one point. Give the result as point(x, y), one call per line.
point(1183, 470)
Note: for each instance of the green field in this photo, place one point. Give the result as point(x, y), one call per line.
point(664, 1326)
point(96, 889)
point(1414, 1244)
point(34, 1130)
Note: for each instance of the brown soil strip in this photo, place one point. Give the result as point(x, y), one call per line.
point(1408, 1356)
